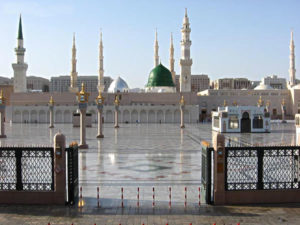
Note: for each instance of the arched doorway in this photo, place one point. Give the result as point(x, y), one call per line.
point(126, 116)
point(245, 123)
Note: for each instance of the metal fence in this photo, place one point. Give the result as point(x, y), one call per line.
point(26, 169)
point(262, 168)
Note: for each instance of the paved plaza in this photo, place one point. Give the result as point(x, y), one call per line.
point(144, 156)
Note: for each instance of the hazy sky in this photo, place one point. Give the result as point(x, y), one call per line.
point(248, 38)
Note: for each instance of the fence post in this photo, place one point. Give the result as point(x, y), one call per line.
point(219, 168)
point(60, 166)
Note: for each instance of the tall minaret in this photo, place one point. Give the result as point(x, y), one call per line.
point(185, 61)
point(172, 60)
point(156, 57)
point(101, 69)
point(292, 70)
point(20, 67)
point(73, 75)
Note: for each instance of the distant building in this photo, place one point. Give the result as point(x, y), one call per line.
point(231, 83)
point(274, 81)
point(198, 82)
point(5, 81)
point(241, 119)
point(62, 83)
point(37, 84)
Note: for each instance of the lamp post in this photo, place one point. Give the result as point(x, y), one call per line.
point(117, 103)
point(260, 102)
point(51, 107)
point(2, 112)
point(82, 98)
point(268, 106)
point(283, 110)
point(182, 103)
point(99, 102)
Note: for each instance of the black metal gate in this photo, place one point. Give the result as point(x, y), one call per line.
point(26, 169)
point(72, 174)
point(207, 172)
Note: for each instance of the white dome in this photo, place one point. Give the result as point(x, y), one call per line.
point(118, 85)
point(263, 87)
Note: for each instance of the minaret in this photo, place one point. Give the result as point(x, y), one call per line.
point(185, 61)
point(156, 57)
point(172, 60)
point(73, 75)
point(20, 67)
point(292, 70)
point(101, 69)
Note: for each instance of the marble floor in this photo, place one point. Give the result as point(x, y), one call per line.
point(141, 155)
point(145, 156)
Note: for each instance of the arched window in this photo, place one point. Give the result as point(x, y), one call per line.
point(233, 122)
point(258, 122)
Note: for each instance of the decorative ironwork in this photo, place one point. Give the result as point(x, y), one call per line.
point(8, 175)
point(26, 169)
point(257, 168)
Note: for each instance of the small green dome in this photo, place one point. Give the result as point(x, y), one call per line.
point(160, 76)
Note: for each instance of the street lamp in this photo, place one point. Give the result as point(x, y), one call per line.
point(99, 102)
point(82, 98)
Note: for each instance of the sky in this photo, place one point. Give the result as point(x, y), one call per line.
point(230, 38)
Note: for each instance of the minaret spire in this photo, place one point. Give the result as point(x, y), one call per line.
point(156, 57)
point(292, 70)
point(20, 67)
point(73, 75)
point(172, 60)
point(185, 61)
point(20, 32)
point(101, 67)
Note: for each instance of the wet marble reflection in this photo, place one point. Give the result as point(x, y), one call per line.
point(141, 153)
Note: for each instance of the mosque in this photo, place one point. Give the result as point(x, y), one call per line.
point(158, 102)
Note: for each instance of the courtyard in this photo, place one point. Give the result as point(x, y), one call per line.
point(162, 156)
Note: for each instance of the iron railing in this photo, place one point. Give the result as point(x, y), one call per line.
point(262, 168)
point(26, 168)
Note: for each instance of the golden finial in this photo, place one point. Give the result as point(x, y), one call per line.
point(283, 102)
point(83, 96)
point(260, 102)
point(182, 102)
point(99, 98)
point(82, 92)
point(234, 103)
point(51, 101)
point(225, 103)
point(117, 101)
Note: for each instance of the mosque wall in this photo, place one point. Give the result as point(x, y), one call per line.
point(127, 114)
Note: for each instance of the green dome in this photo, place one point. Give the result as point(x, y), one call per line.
point(160, 76)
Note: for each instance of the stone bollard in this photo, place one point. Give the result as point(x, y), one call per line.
point(60, 167)
point(219, 168)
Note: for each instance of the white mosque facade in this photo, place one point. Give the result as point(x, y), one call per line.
point(158, 102)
